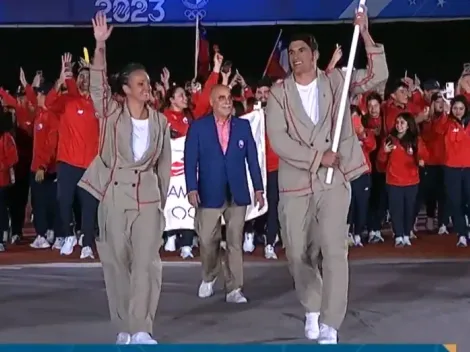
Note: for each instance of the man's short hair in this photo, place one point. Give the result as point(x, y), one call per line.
point(306, 38)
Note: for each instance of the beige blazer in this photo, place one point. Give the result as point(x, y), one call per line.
point(300, 143)
point(113, 175)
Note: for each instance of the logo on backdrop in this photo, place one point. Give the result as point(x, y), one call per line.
point(195, 8)
point(132, 11)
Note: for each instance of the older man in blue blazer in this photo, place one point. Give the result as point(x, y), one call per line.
point(217, 149)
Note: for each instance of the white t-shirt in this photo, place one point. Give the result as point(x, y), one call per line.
point(140, 138)
point(309, 96)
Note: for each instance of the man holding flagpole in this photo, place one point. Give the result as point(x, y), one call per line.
point(302, 114)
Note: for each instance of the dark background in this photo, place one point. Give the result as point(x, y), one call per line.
point(431, 50)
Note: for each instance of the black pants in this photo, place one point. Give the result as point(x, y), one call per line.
point(436, 194)
point(457, 185)
point(185, 238)
point(423, 186)
point(358, 209)
point(17, 202)
point(4, 219)
point(45, 205)
point(67, 189)
point(401, 204)
point(378, 202)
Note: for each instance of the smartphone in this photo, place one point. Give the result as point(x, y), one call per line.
point(226, 67)
point(450, 90)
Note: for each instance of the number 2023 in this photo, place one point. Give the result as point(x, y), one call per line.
point(132, 11)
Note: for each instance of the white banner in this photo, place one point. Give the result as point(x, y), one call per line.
point(179, 214)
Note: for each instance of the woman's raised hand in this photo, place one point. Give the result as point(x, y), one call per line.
point(101, 30)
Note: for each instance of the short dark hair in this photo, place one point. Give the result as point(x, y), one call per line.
point(306, 38)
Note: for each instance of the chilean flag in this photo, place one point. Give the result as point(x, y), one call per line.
point(278, 63)
point(203, 59)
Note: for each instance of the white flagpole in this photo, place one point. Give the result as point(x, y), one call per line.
point(272, 52)
point(345, 94)
point(196, 46)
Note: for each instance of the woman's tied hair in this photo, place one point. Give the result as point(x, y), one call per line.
point(123, 76)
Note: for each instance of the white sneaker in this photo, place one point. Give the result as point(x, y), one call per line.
point(328, 335)
point(248, 243)
point(123, 338)
point(206, 289)
point(276, 240)
point(223, 245)
point(375, 237)
point(186, 252)
point(358, 241)
point(87, 253)
point(406, 241)
point(399, 242)
point(413, 235)
point(269, 252)
point(350, 240)
point(143, 338)
point(2, 247)
point(236, 296)
point(50, 236)
point(40, 242)
point(58, 243)
point(462, 242)
point(15, 239)
point(81, 236)
point(443, 230)
point(430, 224)
point(68, 246)
point(170, 245)
point(312, 329)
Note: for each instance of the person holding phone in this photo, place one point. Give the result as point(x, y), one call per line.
point(403, 153)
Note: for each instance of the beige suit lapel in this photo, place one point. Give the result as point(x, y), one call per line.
point(124, 135)
point(325, 99)
point(294, 103)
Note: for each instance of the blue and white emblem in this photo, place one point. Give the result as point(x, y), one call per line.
point(241, 144)
point(185, 120)
point(39, 126)
point(195, 8)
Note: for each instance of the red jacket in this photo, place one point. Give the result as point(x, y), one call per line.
point(434, 140)
point(201, 100)
point(402, 168)
point(8, 158)
point(78, 127)
point(390, 112)
point(24, 133)
point(46, 137)
point(456, 138)
point(369, 144)
point(178, 122)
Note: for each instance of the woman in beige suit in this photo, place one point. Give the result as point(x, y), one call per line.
point(130, 176)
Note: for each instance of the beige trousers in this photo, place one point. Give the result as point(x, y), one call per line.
point(314, 228)
point(129, 252)
point(208, 227)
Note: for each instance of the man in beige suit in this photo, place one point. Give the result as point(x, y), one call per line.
point(301, 116)
point(130, 177)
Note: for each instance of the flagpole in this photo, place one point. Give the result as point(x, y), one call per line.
point(196, 46)
point(272, 52)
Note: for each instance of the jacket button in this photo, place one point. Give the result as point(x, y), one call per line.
point(327, 140)
point(133, 185)
point(115, 183)
point(136, 172)
point(311, 144)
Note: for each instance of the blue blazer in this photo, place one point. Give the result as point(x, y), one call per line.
point(217, 171)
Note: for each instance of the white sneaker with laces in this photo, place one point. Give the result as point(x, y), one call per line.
point(15, 239)
point(123, 338)
point(358, 241)
point(223, 245)
point(312, 328)
point(2, 247)
point(87, 253)
point(328, 335)
point(170, 245)
point(143, 338)
point(58, 243)
point(40, 242)
point(248, 243)
point(406, 241)
point(68, 246)
point(443, 230)
point(236, 296)
point(413, 235)
point(462, 242)
point(50, 236)
point(399, 242)
point(269, 252)
point(186, 252)
point(375, 237)
point(206, 289)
